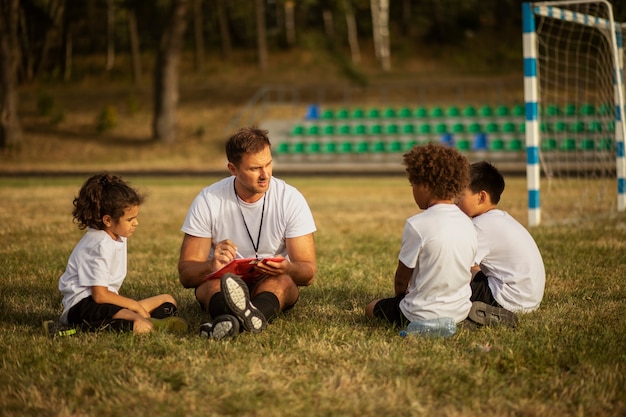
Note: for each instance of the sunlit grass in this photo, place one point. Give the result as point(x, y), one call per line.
point(323, 357)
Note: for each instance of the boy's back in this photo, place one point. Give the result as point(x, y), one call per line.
point(509, 257)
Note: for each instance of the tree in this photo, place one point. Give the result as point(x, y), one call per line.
point(10, 129)
point(261, 33)
point(166, 73)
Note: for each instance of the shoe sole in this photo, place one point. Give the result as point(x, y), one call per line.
point(223, 327)
point(487, 315)
point(237, 299)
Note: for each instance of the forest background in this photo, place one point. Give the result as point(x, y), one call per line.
point(125, 84)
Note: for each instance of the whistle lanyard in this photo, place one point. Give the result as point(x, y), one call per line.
point(258, 239)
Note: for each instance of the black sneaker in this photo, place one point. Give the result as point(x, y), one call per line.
point(237, 299)
point(222, 327)
point(488, 315)
point(54, 329)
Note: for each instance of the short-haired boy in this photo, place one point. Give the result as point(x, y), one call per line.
point(508, 275)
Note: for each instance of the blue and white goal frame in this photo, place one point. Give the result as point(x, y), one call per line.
point(613, 32)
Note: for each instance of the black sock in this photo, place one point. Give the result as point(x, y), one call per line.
point(268, 304)
point(163, 311)
point(217, 305)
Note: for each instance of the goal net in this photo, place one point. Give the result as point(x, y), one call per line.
point(573, 86)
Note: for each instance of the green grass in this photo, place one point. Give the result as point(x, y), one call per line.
point(323, 358)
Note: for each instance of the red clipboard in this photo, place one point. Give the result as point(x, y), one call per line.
point(244, 267)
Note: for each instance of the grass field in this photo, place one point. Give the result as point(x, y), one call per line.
point(323, 358)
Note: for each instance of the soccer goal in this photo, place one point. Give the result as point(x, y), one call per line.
point(574, 93)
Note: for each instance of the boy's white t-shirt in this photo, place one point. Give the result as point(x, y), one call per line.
point(509, 257)
point(97, 260)
point(440, 244)
point(216, 213)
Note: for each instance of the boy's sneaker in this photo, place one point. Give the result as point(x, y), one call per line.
point(52, 329)
point(172, 324)
point(237, 299)
point(222, 327)
point(488, 315)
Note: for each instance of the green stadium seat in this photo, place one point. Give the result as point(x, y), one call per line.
point(329, 130)
point(515, 145)
point(389, 113)
point(296, 148)
point(282, 148)
point(408, 129)
point(327, 114)
point(404, 113)
point(458, 128)
point(453, 111)
point(391, 129)
point(463, 145)
point(436, 112)
point(409, 145)
point(605, 144)
point(610, 126)
point(441, 128)
point(594, 126)
point(519, 110)
point(311, 148)
point(362, 147)
point(376, 129)
point(605, 110)
point(425, 129)
point(587, 109)
point(342, 114)
point(395, 146)
point(358, 114)
point(569, 110)
point(502, 111)
point(568, 144)
point(469, 111)
point(548, 145)
point(297, 130)
point(492, 128)
point(360, 130)
point(378, 146)
point(587, 144)
point(344, 130)
point(577, 127)
point(329, 148)
point(475, 128)
point(486, 111)
point(496, 145)
point(560, 127)
point(522, 127)
point(421, 112)
point(508, 128)
point(373, 114)
point(345, 147)
point(553, 110)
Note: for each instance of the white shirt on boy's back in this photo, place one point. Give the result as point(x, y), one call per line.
point(509, 257)
point(440, 244)
point(97, 260)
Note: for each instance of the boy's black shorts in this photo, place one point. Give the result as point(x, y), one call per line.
point(87, 311)
point(389, 309)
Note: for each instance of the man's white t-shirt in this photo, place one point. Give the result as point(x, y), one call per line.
point(218, 213)
point(97, 260)
point(509, 257)
point(440, 244)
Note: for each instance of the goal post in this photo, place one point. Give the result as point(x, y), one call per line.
point(574, 96)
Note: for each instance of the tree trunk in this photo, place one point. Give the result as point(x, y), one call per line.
point(56, 13)
point(135, 51)
point(110, 35)
point(198, 34)
point(224, 33)
point(380, 25)
point(290, 23)
point(329, 23)
point(261, 34)
point(166, 73)
point(10, 129)
point(353, 38)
